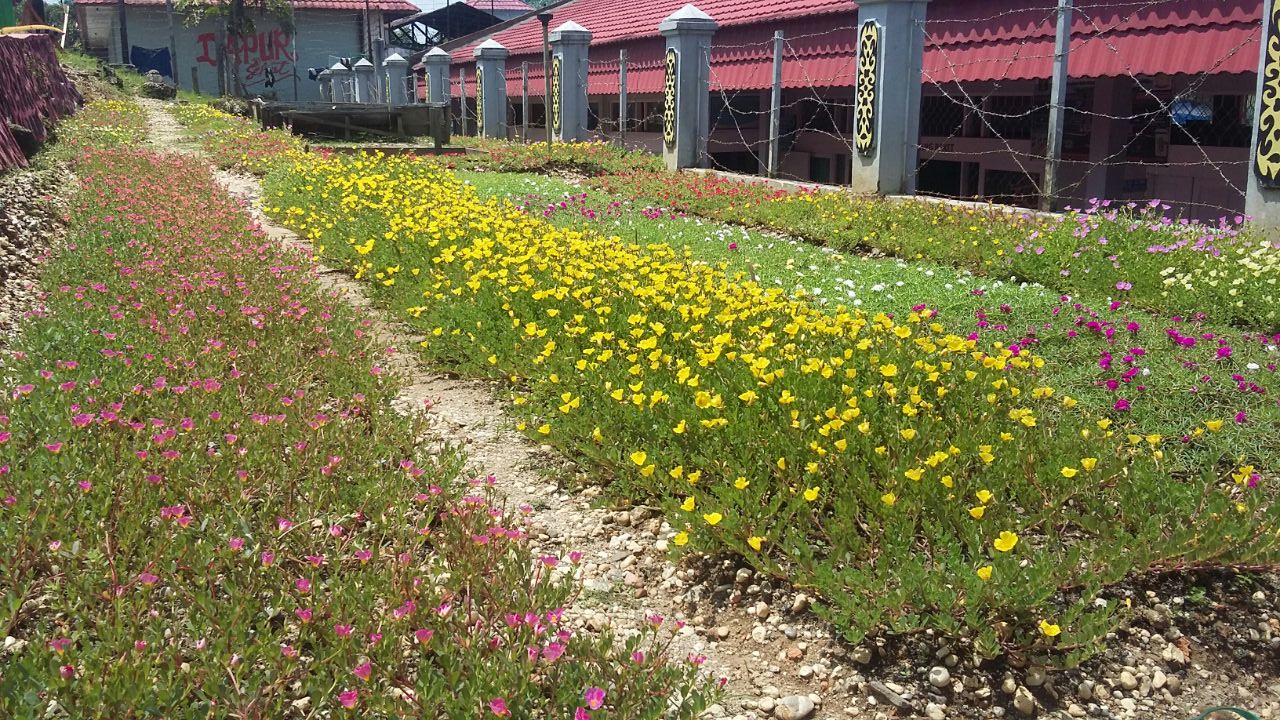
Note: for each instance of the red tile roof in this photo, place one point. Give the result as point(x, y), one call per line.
point(968, 40)
point(507, 5)
point(391, 6)
point(611, 21)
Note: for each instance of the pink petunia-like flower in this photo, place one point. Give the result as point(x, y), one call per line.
point(303, 585)
point(424, 635)
point(581, 714)
point(342, 631)
point(148, 579)
point(303, 614)
point(594, 698)
point(67, 672)
point(363, 556)
point(498, 706)
point(363, 671)
point(268, 558)
point(348, 699)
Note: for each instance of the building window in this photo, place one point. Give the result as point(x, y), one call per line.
point(842, 170)
point(735, 110)
point(940, 116)
point(1212, 120)
point(820, 169)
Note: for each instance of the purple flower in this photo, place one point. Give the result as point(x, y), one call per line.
point(594, 698)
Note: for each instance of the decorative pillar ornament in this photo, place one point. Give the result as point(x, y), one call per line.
point(887, 95)
point(436, 65)
point(491, 89)
point(669, 99)
point(686, 111)
point(366, 90)
point(1262, 195)
point(569, 44)
point(343, 90)
point(868, 81)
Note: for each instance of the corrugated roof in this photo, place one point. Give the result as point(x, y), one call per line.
point(391, 6)
point(611, 21)
point(500, 5)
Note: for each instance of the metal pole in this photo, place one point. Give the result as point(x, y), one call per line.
point(1057, 101)
point(545, 19)
point(462, 90)
point(367, 45)
point(293, 43)
point(775, 105)
point(622, 97)
point(66, 25)
point(173, 44)
point(524, 102)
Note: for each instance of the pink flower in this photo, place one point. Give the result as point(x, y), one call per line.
point(553, 651)
point(60, 645)
point(498, 706)
point(348, 698)
point(288, 651)
point(303, 585)
point(581, 714)
point(67, 672)
point(423, 635)
point(235, 543)
point(594, 698)
point(363, 671)
point(304, 615)
point(148, 579)
point(268, 558)
point(363, 556)
point(342, 630)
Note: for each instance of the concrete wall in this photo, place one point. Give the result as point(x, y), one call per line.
point(322, 36)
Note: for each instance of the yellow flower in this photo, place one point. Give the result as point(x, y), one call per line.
point(889, 370)
point(638, 457)
point(984, 496)
point(1049, 629)
point(947, 481)
point(676, 472)
point(688, 504)
point(889, 499)
point(782, 463)
point(908, 434)
point(545, 429)
point(1006, 541)
point(748, 397)
point(754, 541)
point(647, 470)
point(914, 473)
point(984, 572)
point(681, 539)
point(1089, 463)
point(678, 429)
point(1104, 423)
point(842, 444)
point(978, 511)
point(597, 435)
point(694, 476)
point(1069, 472)
point(741, 483)
point(1213, 425)
point(812, 493)
point(713, 518)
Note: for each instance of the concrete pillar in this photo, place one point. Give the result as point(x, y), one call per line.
point(569, 44)
point(366, 87)
point(1108, 133)
point(686, 112)
point(887, 95)
point(325, 78)
point(397, 69)
point(1262, 195)
point(342, 87)
point(491, 89)
point(436, 64)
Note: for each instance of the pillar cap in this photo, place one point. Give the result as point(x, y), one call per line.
point(570, 32)
point(324, 74)
point(687, 19)
point(361, 64)
point(436, 56)
point(491, 50)
point(339, 68)
point(394, 59)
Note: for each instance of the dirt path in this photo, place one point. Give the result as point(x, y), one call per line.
point(625, 572)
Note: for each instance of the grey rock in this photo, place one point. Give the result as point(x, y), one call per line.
point(886, 694)
point(1127, 680)
point(793, 707)
point(934, 711)
point(939, 676)
point(1036, 676)
point(1023, 701)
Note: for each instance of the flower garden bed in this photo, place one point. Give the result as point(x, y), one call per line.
point(209, 508)
point(918, 474)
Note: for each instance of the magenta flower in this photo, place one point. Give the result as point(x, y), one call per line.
point(60, 645)
point(342, 630)
point(304, 615)
point(594, 698)
point(268, 558)
point(423, 635)
point(148, 579)
point(498, 706)
point(303, 585)
point(67, 672)
point(581, 714)
point(348, 698)
point(363, 671)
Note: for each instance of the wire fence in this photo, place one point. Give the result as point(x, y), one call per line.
point(1131, 121)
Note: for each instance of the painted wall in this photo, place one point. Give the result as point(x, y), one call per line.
point(270, 62)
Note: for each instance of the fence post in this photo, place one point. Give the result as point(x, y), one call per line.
point(491, 89)
point(397, 79)
point(341, 75)
point(686, 111)
point(1057, 101)
point(887, 96)
point(524, 102)
point(569, 44)
point(462, 95)
point(622, 97)
point(436, 65)
point(775, 105)
point(364, 81)
point(1262, 195)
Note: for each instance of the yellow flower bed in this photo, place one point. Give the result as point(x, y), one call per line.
point(910, 476)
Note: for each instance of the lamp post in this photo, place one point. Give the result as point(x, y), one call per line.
point(545, 19)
